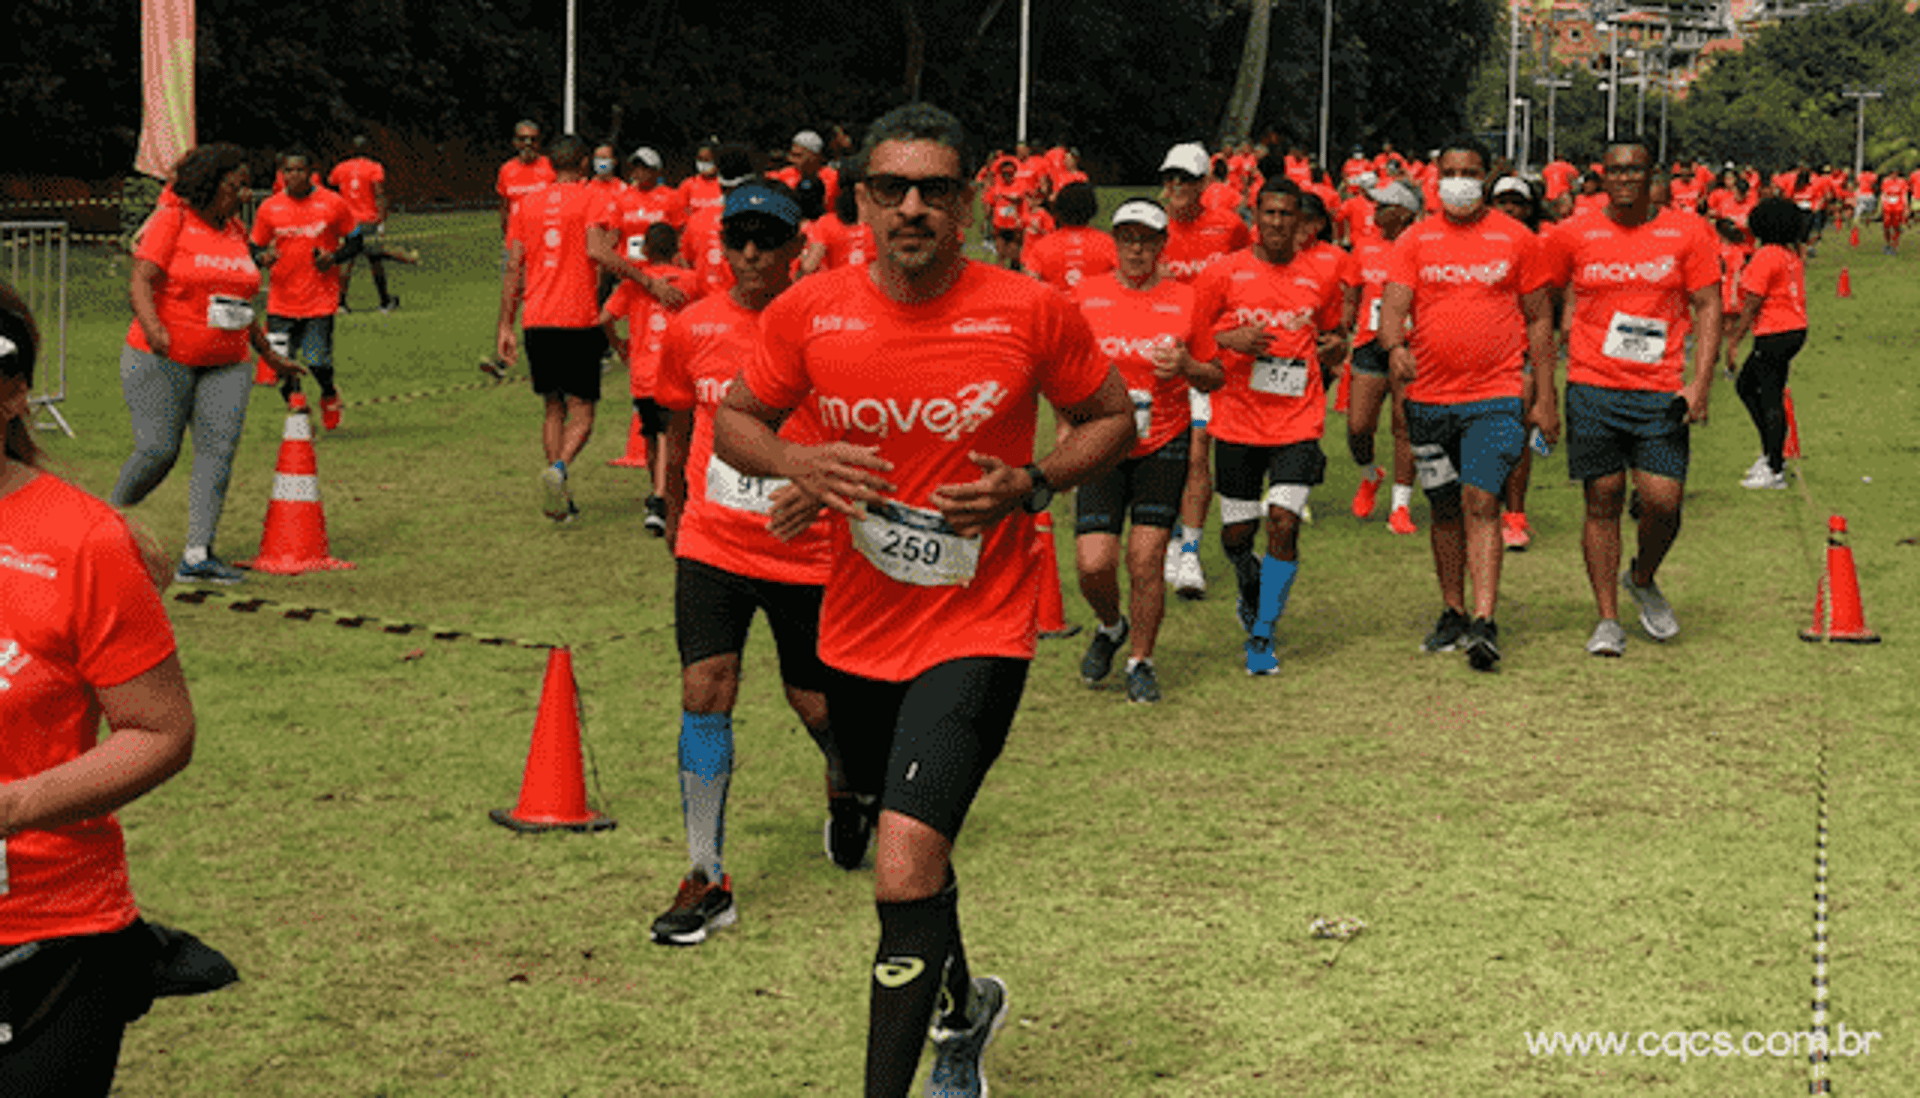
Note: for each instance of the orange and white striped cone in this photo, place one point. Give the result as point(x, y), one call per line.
point(636, 455)
point(295, 539)
point(1792, 449)
point(1053, 616)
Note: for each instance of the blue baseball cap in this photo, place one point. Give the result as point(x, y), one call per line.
point(757, 199)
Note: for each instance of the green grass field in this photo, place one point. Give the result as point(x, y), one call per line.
point(1573, 844)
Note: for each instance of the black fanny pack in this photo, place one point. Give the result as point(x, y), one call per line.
point(139, 964)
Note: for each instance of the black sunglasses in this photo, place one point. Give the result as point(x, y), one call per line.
point(1178, 177)
point(935, 190)
point(759, 232)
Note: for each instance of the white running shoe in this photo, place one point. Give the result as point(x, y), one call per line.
point(1189, 580)
point(1764, 477)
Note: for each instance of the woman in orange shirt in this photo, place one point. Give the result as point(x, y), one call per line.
point(82, 636)
point(1773, 289)
point(193, 284)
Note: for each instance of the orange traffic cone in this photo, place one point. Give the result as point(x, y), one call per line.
point(1853, 238)
point(1053, 617)
point(1344, 389)
point(1837, 613)
point(1846, 284)
point(295, 539)
point(553, 793)
point(636, 455)
point(1792, 449)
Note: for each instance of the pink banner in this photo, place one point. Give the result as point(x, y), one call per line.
point(166, 70)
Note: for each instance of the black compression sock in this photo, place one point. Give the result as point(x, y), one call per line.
point(915, 939)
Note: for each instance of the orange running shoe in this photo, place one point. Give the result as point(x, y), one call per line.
point(330, 412)
point(1401, 521)
point(1368, 493)
point(1514, 532)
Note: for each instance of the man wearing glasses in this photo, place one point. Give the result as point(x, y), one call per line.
point(1642, 278)
point(527, 172)
point(1196, 237)
point(926, 370)
point(727, 563)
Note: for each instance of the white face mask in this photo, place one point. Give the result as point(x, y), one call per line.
point(1460, 194)
point(706, 166)
point(603, 167)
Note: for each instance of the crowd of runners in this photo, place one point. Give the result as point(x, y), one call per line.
point(840, 406)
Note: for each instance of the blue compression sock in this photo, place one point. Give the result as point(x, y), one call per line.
point(1276, 583)
point(706, 767)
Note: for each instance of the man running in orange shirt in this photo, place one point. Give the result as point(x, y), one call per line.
point(548, 267)
point(300, 230)
point(1474, 287)
point(1074, 251)
point(362, 181)
point(1635, 272)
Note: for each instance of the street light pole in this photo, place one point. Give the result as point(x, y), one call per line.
point(1861, 95)
point(1613, 75)
point(1553, 86)
point(1640, 112)
point(1326, 78)
point(1513, 69)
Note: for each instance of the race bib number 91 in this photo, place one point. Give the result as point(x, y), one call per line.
point(729, 487)
point(915, 546)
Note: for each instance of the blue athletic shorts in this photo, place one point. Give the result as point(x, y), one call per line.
point(1476, 443)
point(1612, 430)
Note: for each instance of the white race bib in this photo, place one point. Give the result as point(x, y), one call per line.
point(915, 546)
point(229, 314)
point(1142, 410)
point(1373, 316)
point(1433, 468)
point(636, 248)
point(729, 487)
point(1285, 377)
point(1636, 339)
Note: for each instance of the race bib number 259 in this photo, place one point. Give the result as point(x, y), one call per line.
point(915, 546)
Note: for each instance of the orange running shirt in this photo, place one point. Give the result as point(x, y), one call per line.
point(1066, 256)
point(1780, 277)
point(295, 227)
point(356, 180)
point(205, 290)
point(847, 245)
point(647, 321)
point(77, 613)
point(516, 181)
point(725, 521)
point(1469, 335)
point(926, 384)
point(1631, 289)
point(1366, 267)
point(1126, 324)
point(701, 192)
point(563, 285)
point(700, 248)
point(1277, 398)
point(631, 211)
point(1192, 245)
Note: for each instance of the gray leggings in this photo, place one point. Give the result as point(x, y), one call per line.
point(162, 396)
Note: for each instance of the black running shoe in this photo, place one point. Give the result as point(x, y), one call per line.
point(1447, 633)
point(849, 829)
point(1100, 652)
point(1483, 644)
point(699, 907)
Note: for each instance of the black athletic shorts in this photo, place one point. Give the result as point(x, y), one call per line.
point(713, 608)
point(1242, 472)
point(653, 418)
point(566, 361)
point(1370, 360)
point(925, 745)
point(1145, 490)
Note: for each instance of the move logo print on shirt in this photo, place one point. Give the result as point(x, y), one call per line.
point(1649, 270)
point(33, 564)
point(1291, 320)
point(13, 660)
point(1459, 274)
point(1117, 347)
point(948, 418)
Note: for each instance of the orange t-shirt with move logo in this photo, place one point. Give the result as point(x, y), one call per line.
point(206, 276)
point(78, 613)
point(562, 288)
point(1366, 267)
point(1632, 289)
point(295, 227)
point(1126, 324)
point(1278, 398)
point(725, 520)
point(517, 180)
point(356, 180)
point(846, 245)
point(1191, 245)
point(647, 321)
point(1066, 256)
point(927, 384)
point(1469, 334)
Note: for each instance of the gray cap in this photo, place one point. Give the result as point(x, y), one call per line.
point(1397, 194)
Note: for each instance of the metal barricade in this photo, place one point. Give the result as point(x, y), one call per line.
point(33, 257)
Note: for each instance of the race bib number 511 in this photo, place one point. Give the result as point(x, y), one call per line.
point(915, 546)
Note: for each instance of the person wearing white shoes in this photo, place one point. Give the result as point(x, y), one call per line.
point(1773, 306)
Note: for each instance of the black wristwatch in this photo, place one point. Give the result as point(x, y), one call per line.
point(1041, 497)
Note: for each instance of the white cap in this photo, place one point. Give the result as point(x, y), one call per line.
point(1396, 194)
point(809, 141)
point(646, 156)
point(1141, 211)
point(1190, 158)
point(1513, 184)
point(1366, 180)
